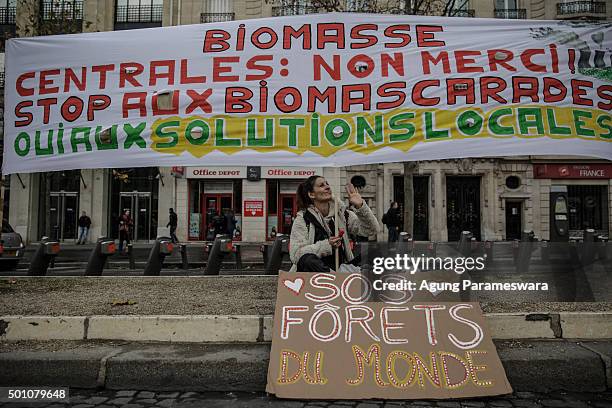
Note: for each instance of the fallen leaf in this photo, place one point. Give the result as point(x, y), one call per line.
point(127, 302)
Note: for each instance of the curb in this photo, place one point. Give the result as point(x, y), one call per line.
point(255, 329)
point(537, 366)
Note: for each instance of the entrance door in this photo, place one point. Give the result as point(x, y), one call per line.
point(63, 211)
point(463, 206)
point(213, 205)
point(139, 205)
point(513, 219)
point(287, 213)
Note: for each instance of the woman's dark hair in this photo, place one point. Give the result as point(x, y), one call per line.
point(303, 200)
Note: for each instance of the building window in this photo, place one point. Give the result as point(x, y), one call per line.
point(7, 21)
point(588, 208)
point(513, 182)
point(509, 9)
point(217, 11)
point(61, 17)
point(580, 7)
point(132, 14)
point(293, 8)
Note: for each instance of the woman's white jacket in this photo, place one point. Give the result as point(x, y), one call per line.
point(360, 222)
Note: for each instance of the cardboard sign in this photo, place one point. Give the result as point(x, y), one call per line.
point(253, 208)
point(327, 344)
point(308, 90)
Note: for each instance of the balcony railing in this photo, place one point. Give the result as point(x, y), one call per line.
point(2, 80)
point(579, 7)
point(7, 15)
point(293, 10)
point(463, 13)
point(139, 14)
point(66, 11)
point(512, 14)
point(216, 17)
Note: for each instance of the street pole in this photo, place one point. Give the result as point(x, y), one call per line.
point(409, 170)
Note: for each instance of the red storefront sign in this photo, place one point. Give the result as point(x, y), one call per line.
point(253, 208)
point(573, 171)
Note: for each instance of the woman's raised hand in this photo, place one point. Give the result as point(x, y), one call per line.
point(353, 195)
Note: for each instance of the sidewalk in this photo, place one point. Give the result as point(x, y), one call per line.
point(537, 366)
point(212, 334)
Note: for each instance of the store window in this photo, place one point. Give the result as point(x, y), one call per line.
point(58, 204)
point(282, 206)
point(588, 208)
point(212, 207)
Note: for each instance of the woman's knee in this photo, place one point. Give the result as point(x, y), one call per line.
point(311, 263)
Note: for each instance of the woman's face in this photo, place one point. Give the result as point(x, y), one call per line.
point(321, 191)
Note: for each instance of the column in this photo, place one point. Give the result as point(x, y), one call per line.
point(182, 208)
point(23, 216)
point(254, 228)
point(438, 231)
point(166, 199)
point(488, 203)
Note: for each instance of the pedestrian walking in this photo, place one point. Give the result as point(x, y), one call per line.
point(173, 223)
point(393, 221)
point(125, 229)
point(84, 225)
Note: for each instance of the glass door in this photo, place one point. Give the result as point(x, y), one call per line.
point(287, 213)
point(63, 210)
point(139, 205)
point(142, 227)
point(215, 208)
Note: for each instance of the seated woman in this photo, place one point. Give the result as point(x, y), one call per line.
point(313, 240)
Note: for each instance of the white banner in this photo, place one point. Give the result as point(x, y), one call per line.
point(316, 90)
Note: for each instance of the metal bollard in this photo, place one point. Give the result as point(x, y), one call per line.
point(220, 247)
point(432, 249)
point(588, 247)
point(488, 250)
point(104, 248)
point(516, 244)
point(162, 247)
point(464, 245)
point(130, 251)
point(275, 257)
point(264, 253)
point(184, 261)
point(405, 244)
point(524, 252)
point(474, 246)
point(46, 251)
point(602, 243)
point(238, 257)
point(545, 252)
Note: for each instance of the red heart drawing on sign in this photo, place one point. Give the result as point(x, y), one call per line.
point(294, 285)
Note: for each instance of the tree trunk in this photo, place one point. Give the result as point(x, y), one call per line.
point(409, 169)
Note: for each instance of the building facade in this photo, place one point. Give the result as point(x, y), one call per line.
point(495, 198)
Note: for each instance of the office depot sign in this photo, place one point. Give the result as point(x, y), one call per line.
point(290, 172)
point(216, 172)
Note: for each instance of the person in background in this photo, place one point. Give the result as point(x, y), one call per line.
point(125, 229)
point(313, 239)
point(84, 225)
point(393, 221)
point(173, 223)
point(230, 222)
point(219, 224)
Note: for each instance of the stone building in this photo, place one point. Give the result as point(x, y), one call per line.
point(495, 198)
